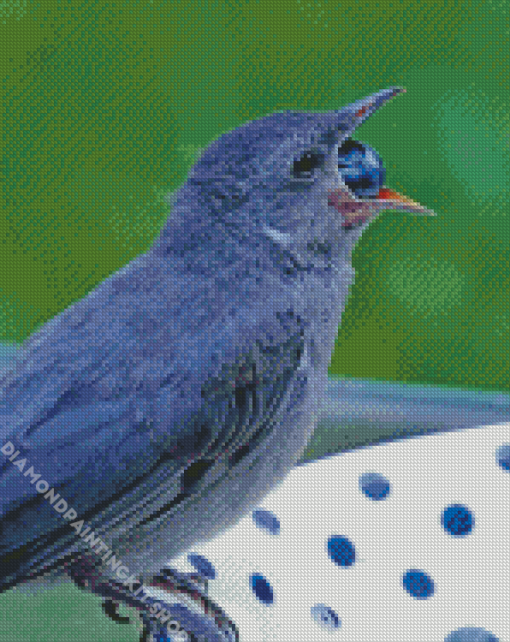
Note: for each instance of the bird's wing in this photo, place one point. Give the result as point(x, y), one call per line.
point(132, 385)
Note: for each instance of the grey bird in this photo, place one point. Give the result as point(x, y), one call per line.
point(164, 405)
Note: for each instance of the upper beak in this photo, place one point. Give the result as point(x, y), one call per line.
point(352, 116)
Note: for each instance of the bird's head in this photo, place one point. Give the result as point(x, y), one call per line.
point(298, 178)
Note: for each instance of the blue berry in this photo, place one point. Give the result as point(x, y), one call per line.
point(265, 520)
point(418, 584)
point(325, 617)
point(361, 168)
point(262, 589)
point(374, 485)
point(341, 550)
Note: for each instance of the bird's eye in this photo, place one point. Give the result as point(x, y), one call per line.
point(305, 165)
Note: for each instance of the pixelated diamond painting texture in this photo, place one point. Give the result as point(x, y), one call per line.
point(106, 105)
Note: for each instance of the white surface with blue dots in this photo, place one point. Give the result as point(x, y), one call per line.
point(401, 541)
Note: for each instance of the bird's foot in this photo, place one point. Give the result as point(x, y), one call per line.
point(173, 606)
point(192, 613)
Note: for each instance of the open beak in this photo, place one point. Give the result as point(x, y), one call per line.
point(352, 209)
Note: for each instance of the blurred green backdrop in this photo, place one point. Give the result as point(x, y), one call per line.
point(104, 106)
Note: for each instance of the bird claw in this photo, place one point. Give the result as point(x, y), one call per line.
point(198, 617)
point(174, 608)
point(111, 610)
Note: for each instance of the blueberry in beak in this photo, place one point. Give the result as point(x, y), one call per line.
point(364, 192)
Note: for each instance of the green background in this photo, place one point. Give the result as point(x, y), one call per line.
point(104, 106)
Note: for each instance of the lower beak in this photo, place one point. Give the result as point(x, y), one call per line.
point(354, 210)
point(401, 202)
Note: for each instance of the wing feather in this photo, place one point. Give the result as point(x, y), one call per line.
point(111, 403)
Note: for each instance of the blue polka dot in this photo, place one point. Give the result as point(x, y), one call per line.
point(341, 550)
point(374, 485)
point(325, 617)
point(418, 584)
point(262, 589)
point(503, 456)
point(471, 634)
point(203, 565)
point(457, 520)
point(266, 520)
